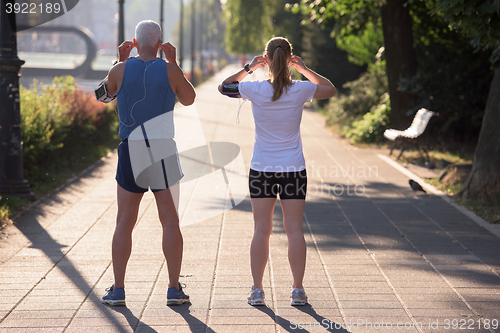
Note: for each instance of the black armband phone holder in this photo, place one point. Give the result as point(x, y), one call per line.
point(231, 89)
point(101, 94)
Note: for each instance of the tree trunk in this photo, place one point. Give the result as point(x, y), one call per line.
point(400, 57)
point(484, 179)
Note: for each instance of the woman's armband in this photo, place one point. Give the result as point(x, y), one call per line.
point(231, 89)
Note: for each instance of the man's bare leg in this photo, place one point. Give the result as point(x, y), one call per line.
point(128, 209)
point(167, 201)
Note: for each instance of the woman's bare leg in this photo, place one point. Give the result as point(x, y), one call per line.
point(293, 211)
point(263, 209)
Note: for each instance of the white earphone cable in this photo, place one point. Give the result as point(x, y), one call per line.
point(133, 106)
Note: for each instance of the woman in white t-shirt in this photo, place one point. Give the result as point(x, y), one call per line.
point(278, 166)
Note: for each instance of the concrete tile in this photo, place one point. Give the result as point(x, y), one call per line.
point(174, 329)
point(31, 323)
point(105, 329)
point(243, 328)
point(33, 330)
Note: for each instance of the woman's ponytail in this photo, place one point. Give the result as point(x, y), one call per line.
point(278, 51)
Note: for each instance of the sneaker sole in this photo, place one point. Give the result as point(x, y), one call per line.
point(298, 303)
point(114, 303)
point(177, 301)
point(256, 302)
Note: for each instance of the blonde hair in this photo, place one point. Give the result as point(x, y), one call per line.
point(278, 52)
point(148, 33)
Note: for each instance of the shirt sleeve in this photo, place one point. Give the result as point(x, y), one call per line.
point(308, 90)
point(245, 89)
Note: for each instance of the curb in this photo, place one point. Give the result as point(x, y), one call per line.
point(494, 229)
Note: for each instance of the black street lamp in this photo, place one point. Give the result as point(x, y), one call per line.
point(181, 43)
point(121, 22)
point(161, 25)
point(193, 44)
point(202, 33)
point(11, 161)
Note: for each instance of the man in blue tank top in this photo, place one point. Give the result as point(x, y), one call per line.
point(146, 88)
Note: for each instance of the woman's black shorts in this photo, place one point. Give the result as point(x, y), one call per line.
point(289, 185)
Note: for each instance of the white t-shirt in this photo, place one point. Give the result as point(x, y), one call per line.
point(278, 146)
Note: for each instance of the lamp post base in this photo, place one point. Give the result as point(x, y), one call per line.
point(19, 188)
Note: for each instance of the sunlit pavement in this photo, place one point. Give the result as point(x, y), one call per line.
point(379, 258)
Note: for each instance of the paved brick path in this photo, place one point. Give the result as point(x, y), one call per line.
point(377, 255)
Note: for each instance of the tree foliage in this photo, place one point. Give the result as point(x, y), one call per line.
point(447, 65)
point(480, 21)
point(248, 25)
point(477, 19)
point(356, 25)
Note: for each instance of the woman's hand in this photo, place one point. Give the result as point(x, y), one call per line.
point(257, 62)
point(124, 50)
point(297, 63)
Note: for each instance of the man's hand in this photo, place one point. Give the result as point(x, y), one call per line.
point(169, 50)
point(125, 49)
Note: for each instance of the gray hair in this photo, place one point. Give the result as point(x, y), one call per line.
point(148, 33)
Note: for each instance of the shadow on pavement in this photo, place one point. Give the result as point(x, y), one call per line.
point(56, 252)
point(195, 325)
point(290, 326)
point(132, 320)
point(390, 219)
point(326, 323)
point(284, 323)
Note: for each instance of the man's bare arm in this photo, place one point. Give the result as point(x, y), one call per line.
point(114, 79)
point(182, 87)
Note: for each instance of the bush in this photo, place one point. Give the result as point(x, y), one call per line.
point(363, 94)
point(370, 128)
point(452, 77)
point(61, 123)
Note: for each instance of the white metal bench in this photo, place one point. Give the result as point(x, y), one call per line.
point(409, 135)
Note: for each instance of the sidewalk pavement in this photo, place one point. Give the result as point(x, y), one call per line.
point(379, 258)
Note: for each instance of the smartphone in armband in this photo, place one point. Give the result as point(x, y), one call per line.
point(101, 94)
point(231, 89)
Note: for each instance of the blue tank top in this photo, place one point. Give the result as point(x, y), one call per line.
point(137, 105)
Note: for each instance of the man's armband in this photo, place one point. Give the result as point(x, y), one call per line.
point(101, 94)
point(231, 89)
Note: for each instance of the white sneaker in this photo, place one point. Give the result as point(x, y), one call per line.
point(256, 297)
point(298, 297)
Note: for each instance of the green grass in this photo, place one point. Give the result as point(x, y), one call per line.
point(65, 130)
point(488, 210)
point(453, 183)
point(54, 176)
point(10, 205)
point(435, 156)
point(450, 190)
